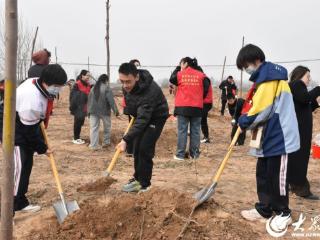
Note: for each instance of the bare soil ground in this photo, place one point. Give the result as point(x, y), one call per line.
point(107, 213)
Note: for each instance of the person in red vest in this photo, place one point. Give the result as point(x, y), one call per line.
point(207, 105)
point(192, 88)
point(78, 104)
point(33, 105)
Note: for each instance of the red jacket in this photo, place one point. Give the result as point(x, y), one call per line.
point(190, 88)
point(209, 97)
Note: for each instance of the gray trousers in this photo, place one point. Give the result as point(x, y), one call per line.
point(183, 124)
point(94, 129)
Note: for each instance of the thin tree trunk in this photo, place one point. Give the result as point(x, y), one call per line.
point(222, 75)
point(241, 79)
point(56, 54)
point(33, 44)
point(108, 37)
point(11, 26)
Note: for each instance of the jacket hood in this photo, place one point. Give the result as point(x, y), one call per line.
point(145, 79)
point(268, 72)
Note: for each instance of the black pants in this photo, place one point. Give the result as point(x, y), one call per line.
point(130, 145)
point(223, 106)
point(204, 120)
point(301, 190)
point(272, 186)
point(242, 136)
point(23, 159)
point(144, 150)
point(77, 125)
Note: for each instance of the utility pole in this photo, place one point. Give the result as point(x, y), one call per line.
point(108, 37)
point(11, 36)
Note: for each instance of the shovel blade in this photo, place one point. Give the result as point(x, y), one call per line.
point(205, 193)
point(61, 212)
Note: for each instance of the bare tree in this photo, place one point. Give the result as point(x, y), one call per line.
point(108, 36)
point(25, 38)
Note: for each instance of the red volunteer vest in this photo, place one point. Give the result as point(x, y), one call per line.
point(209, 97)
point(190, 88)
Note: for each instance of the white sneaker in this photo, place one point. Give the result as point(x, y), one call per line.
point(31, 208)
point(253, 215)
point(280, 223)
point(205, 140)
point(78, 141)
point(177, 158)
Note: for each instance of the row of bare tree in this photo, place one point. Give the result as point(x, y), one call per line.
point(25, 39)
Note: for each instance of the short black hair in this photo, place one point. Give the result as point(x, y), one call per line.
point(249, 54)
point(229, 77)
point(53, 74)
point(230, 96)
point(128, 68)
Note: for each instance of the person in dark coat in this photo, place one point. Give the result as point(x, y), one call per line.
point(235, 107)
point(146, 102)
point(41, 59)
point(226, 86)
point(305, 103)
point(78, 104)
point(129, 150)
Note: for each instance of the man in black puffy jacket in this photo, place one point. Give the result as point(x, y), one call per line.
point(146, 102)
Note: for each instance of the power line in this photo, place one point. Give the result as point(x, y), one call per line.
point(172, 66)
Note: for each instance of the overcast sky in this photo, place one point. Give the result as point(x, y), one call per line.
point(161, 32)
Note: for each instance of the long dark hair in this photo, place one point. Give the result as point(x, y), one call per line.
point(298, 73)
point(96, 89)
point(82, 73)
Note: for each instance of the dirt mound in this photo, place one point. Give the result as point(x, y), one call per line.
point(99, 185)
point(157, 214)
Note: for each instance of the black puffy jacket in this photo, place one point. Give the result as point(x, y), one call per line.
point(146, 103)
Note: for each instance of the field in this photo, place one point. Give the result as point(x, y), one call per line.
point(107, 213)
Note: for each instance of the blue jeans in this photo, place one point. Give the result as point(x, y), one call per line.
point(195, 125)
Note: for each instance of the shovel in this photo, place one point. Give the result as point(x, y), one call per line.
point(61, 208)
point(117, 153)
point(205, 193)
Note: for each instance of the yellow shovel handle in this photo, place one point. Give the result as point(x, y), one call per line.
point(51, 158)
point(117, 153)
point(223, 163)
point(130, 125)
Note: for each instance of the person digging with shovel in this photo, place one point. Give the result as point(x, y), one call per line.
point(147, 104)
point(272, 117)
point(33, 105)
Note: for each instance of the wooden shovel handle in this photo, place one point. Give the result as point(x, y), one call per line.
point(52, 161)
point(117, 153)
point(223, 163)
